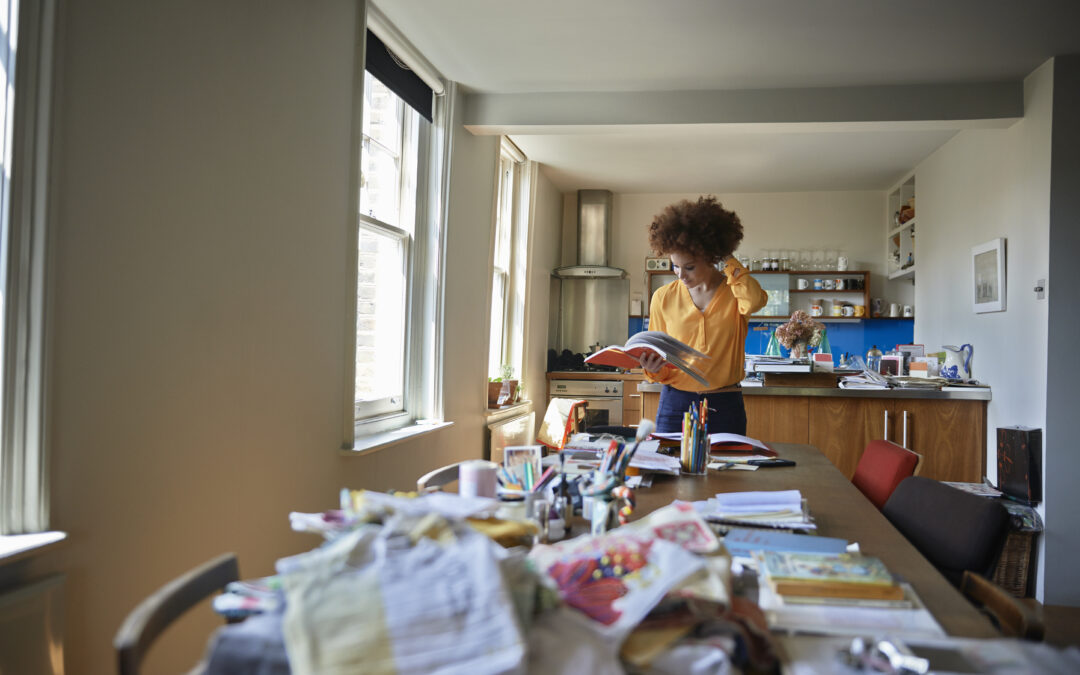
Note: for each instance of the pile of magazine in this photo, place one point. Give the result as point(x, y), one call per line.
point(866, 379)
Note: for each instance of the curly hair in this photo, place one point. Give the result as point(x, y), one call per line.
point(702, 229)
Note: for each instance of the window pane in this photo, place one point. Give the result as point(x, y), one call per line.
point(498, 304)
point(380, 181)
point(380, 323)
point(382, 114)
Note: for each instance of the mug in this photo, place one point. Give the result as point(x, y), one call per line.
point(860, 310)
point(909, 311)
point(841, 264)
point(837, 309)
point(838, 284)
point(817, 284)
point(848, 310)
point(894, 309)
point(815, 308)
point(802, 284)
point(827, 284)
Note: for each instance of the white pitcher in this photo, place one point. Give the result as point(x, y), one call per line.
point(957, 362)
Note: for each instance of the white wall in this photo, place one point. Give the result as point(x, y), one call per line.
point(201, 289)
point(979, 186)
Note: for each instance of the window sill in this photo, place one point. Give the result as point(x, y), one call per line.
point(384, 439)
point(496, 414)
point(14, 547)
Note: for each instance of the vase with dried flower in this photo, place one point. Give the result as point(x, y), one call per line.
point(799, 333)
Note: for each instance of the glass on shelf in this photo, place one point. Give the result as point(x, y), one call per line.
point(806, 259)
point(819, 259)
point(830, 259)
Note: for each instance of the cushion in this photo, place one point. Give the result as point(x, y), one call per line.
point(955, 530)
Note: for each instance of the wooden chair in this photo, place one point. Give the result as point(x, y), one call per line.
point(433, 481)
point(1011, 615)
point(881, 468)
point(154, 614)
point(955, 530)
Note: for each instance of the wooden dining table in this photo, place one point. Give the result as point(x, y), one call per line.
point(839, 510)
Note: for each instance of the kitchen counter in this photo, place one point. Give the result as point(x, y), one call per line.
point(978, 394)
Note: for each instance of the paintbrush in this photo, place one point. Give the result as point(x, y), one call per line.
point(645, 428)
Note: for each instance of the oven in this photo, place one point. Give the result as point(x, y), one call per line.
point(604, 399)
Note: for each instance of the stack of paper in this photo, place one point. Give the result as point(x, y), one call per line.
point(780, 509)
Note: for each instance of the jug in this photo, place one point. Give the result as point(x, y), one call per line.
point(957, 362)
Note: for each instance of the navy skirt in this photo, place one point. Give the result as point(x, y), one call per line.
point(726, 411)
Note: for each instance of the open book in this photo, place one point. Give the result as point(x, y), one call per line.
point(674, 352)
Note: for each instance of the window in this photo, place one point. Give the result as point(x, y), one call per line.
point(388, 155)
point(26, 29)
point(506, 340)
point(398, 249)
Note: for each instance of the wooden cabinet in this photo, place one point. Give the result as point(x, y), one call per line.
point(950, 434)
point(631, 404)
point(650, 404)
point(779, 419)
point(785, 296)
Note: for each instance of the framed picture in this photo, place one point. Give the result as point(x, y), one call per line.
point(988, 275)
point(892, 364)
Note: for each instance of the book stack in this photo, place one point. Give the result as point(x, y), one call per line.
point(781, 509)
point(843, 576)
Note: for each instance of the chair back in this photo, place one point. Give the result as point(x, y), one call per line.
point(1012, 616)
point(154, 614)
point(881, 468)
point(955, 530)
point(433, 481)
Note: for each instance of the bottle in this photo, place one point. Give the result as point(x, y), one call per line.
point(873, 359)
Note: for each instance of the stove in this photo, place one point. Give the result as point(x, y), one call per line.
point(569, 362)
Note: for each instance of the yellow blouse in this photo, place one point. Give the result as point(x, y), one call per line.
point(719, 330)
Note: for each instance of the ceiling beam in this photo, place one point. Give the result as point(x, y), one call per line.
point(1002, 102)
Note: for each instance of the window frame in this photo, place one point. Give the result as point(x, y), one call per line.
point(422, 409)
point(511, 341)
point(24, 484)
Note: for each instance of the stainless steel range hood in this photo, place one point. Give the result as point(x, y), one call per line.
point(593, 239)
point(594, 298)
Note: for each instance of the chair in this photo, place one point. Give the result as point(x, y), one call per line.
point(1011, 615)
point(433, 481)
point(881, 468)
point(154, 614)
point(956, 531)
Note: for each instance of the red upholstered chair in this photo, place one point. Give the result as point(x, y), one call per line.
point(881, 468)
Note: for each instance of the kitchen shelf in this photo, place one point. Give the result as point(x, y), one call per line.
point(903, 226)
point(901, 274)
point(819, 291)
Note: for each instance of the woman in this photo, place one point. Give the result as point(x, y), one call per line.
point(706, 308)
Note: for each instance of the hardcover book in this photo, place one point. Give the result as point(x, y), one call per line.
point(842, 575)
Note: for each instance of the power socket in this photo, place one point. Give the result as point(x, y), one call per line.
point(1040, 289)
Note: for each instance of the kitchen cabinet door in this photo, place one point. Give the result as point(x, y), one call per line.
point(841, 427)
point(776, 419)
point(949, 434)
point(650, 403)
point(631, 407)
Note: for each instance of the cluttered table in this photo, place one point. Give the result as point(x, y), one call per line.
point(839, 510)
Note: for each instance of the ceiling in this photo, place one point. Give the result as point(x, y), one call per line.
point(495, 47)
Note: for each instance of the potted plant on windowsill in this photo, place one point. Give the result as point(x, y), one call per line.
point(502, 390)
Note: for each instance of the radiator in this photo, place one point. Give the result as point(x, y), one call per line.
point(32, 628)
point(519, 430)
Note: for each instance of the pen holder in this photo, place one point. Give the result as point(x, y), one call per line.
point(693, 460)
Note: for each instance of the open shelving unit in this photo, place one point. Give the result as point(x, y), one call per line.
point(900, 257)
point(785, 297)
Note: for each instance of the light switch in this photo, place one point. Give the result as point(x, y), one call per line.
point(1040, 289)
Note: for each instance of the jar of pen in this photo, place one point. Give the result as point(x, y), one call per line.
point(694, 450)
point(607, 496)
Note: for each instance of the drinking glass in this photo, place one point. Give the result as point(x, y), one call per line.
point(830, 258)
point(819, 259)
point(806, 259)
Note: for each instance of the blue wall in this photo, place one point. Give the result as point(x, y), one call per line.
point(854, 337)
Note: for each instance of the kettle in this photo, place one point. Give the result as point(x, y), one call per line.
point(957, 362)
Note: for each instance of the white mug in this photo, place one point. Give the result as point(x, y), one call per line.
point(476, 478)
point(827, 284)
point(848, 310)
point(841, 264)
point(894, 309)
point(909, 311)
point(803, 284)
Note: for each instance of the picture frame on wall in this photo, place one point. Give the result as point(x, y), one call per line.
point(988, 276)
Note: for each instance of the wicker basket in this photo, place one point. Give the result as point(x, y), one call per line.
point(1012, 570)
